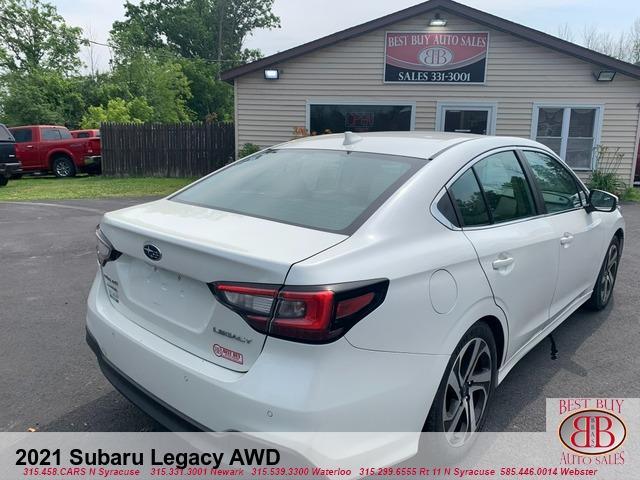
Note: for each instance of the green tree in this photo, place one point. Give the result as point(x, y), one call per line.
point(211, 100)
point(205, 29)
point(40, 97)
point(33, 36)
point(118, 110)
point(204, 36)
point(160, 81)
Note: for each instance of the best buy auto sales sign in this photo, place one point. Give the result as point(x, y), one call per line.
point(438, 57)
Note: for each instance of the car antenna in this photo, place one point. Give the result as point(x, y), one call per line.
point(554, 350)
point(350, 138)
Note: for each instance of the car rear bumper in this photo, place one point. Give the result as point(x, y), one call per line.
point(145, 401)
point(8, 169)
point(290, 388)
point(92, 160)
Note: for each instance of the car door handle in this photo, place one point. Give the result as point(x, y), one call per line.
point(29, 146)
point(566, 239)
point(502, 263)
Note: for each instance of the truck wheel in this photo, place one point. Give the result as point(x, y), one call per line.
point(3, 180)
point(63, 167)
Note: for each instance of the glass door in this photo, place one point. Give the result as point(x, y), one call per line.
point(461, 118)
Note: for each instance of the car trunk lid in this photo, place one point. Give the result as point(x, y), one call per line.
point(170, 296)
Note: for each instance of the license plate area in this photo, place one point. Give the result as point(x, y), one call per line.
point(169, 295)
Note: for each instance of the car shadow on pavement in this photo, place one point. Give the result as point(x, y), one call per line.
point(109, 413)
point(532, 380)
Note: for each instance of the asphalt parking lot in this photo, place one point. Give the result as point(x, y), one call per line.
point(49, 379)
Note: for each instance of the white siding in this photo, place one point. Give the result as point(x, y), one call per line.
point(519, 74)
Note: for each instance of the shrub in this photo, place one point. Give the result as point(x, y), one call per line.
point(605, 176)
point(631, 194)
point(248, 149)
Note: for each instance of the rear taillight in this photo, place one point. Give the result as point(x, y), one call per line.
point(104, 249)
point(318, 314)
point(93, 145)
point(254, 303)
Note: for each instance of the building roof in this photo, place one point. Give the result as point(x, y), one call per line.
point(472, 14)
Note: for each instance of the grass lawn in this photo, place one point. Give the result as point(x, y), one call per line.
point(631, 194)
point(49, 188)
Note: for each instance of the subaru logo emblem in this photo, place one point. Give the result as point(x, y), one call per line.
point(152, 252)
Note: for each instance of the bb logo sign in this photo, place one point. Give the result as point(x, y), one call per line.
point(592, 432)
point(435, 56)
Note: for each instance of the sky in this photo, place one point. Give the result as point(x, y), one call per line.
point(306, 20)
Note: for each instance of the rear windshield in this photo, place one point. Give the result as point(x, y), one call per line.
point(5, 135)
point(326, 190)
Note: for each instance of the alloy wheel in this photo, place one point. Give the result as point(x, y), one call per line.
point(467, 391)
point(609, 274)
point(63, 169)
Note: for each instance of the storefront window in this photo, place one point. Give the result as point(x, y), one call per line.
point(337, 118)
point(571, 132)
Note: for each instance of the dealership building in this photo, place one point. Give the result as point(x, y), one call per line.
point(444, 66)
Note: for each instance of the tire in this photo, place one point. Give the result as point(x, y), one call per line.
point(606, 281)
point(63, 167)
point(3, 180)
point(474, 397)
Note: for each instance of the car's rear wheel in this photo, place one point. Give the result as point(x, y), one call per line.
point(461, 403)
point(3, 180)
point(63, 167)
point(603, 290)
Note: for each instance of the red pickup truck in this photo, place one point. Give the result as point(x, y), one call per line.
point(47, 148)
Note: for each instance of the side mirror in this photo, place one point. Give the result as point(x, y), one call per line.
point(601, 201)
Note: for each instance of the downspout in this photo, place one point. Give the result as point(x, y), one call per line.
point(634, 160)
point(235, 116)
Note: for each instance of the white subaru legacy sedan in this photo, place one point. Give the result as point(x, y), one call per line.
point(373, 282)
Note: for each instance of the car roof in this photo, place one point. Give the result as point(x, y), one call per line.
point(417, 144)
point(38, 126)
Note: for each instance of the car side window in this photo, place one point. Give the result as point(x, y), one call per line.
point(22, 135)
point(447, 210)
point(559, 189)
point(64, 134)
point(505, 186)
point(51, 134)
point(5, 135)
point(467, 196)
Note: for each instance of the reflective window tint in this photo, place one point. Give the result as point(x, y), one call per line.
point(358, 118)
point(51, 134)
point(559, 189)
point(447, 209)
point(468, 198)
point(64, 134)
point(22, 135)
point(505, 187)
point(322, 189)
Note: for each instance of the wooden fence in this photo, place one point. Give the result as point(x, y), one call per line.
point(165, 150)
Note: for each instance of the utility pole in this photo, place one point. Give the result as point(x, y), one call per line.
point(221, 11)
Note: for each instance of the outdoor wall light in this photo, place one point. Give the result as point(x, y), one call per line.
point(437, 21)
point(605, 75)
point(271, 74)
